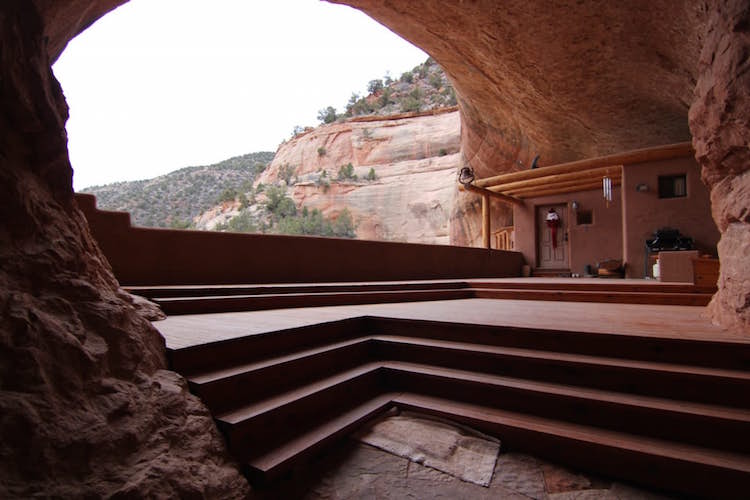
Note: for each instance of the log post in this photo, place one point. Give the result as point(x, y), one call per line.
point(486, 220)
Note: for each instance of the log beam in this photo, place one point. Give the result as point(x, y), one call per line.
point(486, 221)
point(498, 196)
point(558, 179)
point(572, 189)
point(678, 150)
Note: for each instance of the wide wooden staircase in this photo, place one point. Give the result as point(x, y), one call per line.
point(666, 413)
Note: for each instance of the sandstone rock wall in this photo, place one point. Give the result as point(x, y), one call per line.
point(86, 407)
point(720, 124)
point(414, 158)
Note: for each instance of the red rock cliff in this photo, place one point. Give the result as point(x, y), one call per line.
point(414, 158)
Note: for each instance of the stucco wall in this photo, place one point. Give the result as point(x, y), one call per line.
point(587, 244)
point(645, 212)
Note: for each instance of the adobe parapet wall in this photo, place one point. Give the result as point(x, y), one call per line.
point(146, 256)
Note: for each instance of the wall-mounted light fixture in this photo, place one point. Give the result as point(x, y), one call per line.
point(574, 205)
point(642, 187)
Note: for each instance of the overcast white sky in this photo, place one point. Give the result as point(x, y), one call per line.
point(159, 85)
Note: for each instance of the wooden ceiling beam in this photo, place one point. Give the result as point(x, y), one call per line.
point(491, 194)
point(597, 173)
point(571, 189)
point(670, 151)
point(530, 191)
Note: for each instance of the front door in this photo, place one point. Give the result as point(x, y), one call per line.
point(552, 253)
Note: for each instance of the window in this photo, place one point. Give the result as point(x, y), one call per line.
point(672, 186)
point(584, 217)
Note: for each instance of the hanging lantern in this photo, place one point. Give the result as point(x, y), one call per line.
point(607, 189)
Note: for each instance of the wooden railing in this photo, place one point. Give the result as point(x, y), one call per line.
point(504, 238)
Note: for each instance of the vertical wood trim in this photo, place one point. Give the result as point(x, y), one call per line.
point(486, 221)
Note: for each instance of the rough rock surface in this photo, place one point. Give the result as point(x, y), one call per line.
point(86, 408)
point(721, 133)
point(415, 160)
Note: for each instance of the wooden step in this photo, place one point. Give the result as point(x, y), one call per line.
point(723, 354)
point(660, 298)
point(669, 419)
point(262, 423)
point(647, 461)
point(249, 348)
point(649, 286)
point(223, 389)
point(700, 384)
point(231, 303)
point(175, 291)
point(265, 465)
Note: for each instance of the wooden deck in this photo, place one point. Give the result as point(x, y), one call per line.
point(621, 389)
point(686, 322)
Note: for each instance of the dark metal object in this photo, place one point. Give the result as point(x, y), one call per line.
point(665, 239)
point(466, 176)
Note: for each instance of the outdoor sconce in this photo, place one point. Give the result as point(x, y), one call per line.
point(574, 205)
point(642, 187)
point(466, 176)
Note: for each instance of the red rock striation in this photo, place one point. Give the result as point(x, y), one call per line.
point(415, 159)
point(86, 407)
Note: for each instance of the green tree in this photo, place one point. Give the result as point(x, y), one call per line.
point(375, 86)
point(228, 194)
point(286, 172)
point(346, 172)
point(343, 226)
point(371, 175)
point(327, 115)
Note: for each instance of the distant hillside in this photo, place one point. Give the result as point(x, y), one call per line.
point(424, 88)
point(174, 199)
point(222, 196)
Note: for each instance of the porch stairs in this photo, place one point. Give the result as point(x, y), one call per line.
point(201, 299)
point(666, 413)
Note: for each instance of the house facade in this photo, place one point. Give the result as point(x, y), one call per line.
point(648, 193)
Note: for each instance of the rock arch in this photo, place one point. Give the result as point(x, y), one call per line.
point(590, 85)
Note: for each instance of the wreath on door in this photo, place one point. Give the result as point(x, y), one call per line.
point(553, 222)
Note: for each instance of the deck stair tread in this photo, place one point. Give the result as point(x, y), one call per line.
point(571, 357)
point(594, 435)
point(256, 408)
point(208, 376)
point(608, 285)
point(324, 293)
point(278, 400)
point(177, 299)
point(714, 411)
point(287, 288)
point(697, 299)
point(269, 461)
